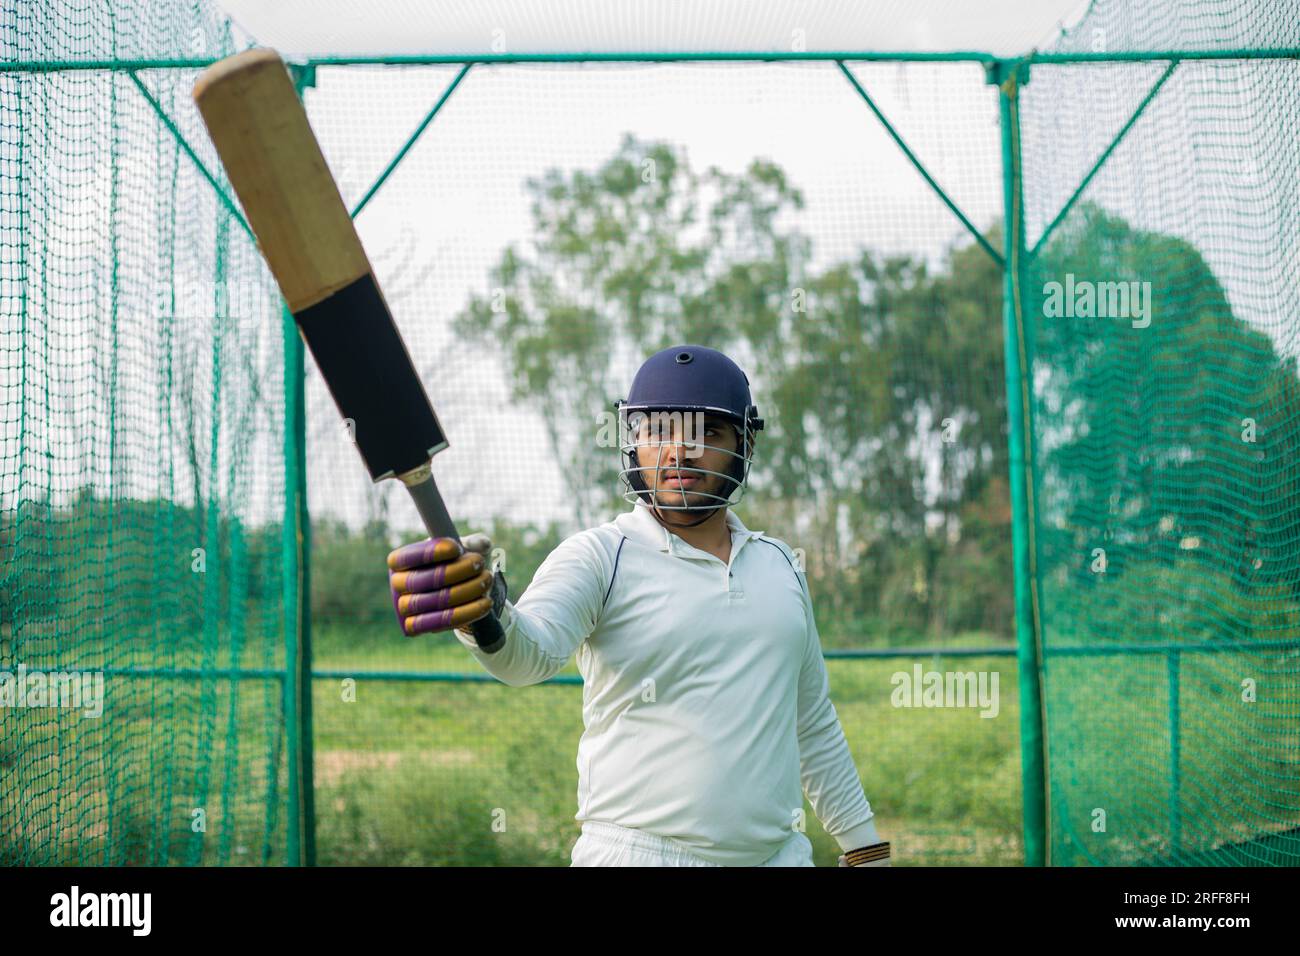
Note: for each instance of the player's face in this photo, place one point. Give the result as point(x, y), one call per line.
point(678, 450)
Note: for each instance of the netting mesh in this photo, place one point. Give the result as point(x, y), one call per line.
point(142, 473)
point(1181, 26)
point(553, 225)
point(1168, 436)
point(535, 261)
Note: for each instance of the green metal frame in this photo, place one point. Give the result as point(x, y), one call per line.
point(295, 679)
point(1028, 631)
point(222, 193)
point(1101, 160)
point(911, 157)
point(297, 631)
point(410, 141)
point(774, 56)
point(459, 677)
point(1009, 77)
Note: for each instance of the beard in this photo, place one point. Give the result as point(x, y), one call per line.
point(705, 492)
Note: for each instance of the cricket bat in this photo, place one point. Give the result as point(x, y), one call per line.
point(259, 126)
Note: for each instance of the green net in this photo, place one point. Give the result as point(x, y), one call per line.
point(539, 229)
point(533, 265)
point(142, 588)
point(1165, 334)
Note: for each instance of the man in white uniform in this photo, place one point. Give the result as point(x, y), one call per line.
point(705, 695)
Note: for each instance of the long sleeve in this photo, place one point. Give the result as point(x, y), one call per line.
point(555, 614)
point(830, 778)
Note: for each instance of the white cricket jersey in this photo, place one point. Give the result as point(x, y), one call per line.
point(705, 697)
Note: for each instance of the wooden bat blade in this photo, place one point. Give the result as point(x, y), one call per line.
point(260, 129)
point(259, 126)
point(273, 161)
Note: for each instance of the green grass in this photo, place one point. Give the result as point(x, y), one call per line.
point(444, 773)
point(122, 789)
point(478, 773)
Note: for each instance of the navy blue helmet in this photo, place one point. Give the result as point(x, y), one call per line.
point(677, 388)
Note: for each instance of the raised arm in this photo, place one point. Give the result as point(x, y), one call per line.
point(555, 614)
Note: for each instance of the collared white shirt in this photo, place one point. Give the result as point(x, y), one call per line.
point(705, 697)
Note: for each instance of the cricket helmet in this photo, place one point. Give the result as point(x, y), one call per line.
point(680, 386)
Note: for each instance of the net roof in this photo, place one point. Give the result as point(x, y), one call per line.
point(322, 28)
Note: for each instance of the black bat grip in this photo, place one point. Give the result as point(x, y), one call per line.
point(487, 631)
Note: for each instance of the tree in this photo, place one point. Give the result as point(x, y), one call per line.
point(629, 262)
point(1169, 439)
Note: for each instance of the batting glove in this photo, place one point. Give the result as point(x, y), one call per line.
point(439, 584)
point(481, 544)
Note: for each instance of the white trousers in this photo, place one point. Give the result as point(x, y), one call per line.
point(607, 844)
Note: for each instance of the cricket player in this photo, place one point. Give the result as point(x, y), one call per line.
point(705, 695)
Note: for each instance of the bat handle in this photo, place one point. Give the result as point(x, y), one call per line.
point(487, 631)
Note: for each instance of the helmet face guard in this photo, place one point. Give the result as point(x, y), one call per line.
point(671, 394)
point(644, 428)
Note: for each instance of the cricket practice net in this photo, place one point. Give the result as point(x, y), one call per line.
point(1022, 325)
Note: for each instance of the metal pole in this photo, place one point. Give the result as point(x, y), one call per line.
point(304, 767)
point(295, 584)
point(1008, 77)
point(1175, 754)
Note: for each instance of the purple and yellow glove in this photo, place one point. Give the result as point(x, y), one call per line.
point(438, 584)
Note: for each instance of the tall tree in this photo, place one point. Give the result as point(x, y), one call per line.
point(880, 378)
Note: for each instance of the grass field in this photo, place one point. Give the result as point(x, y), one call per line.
point(459, 772)
point(448, 773)
point(442, 772)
